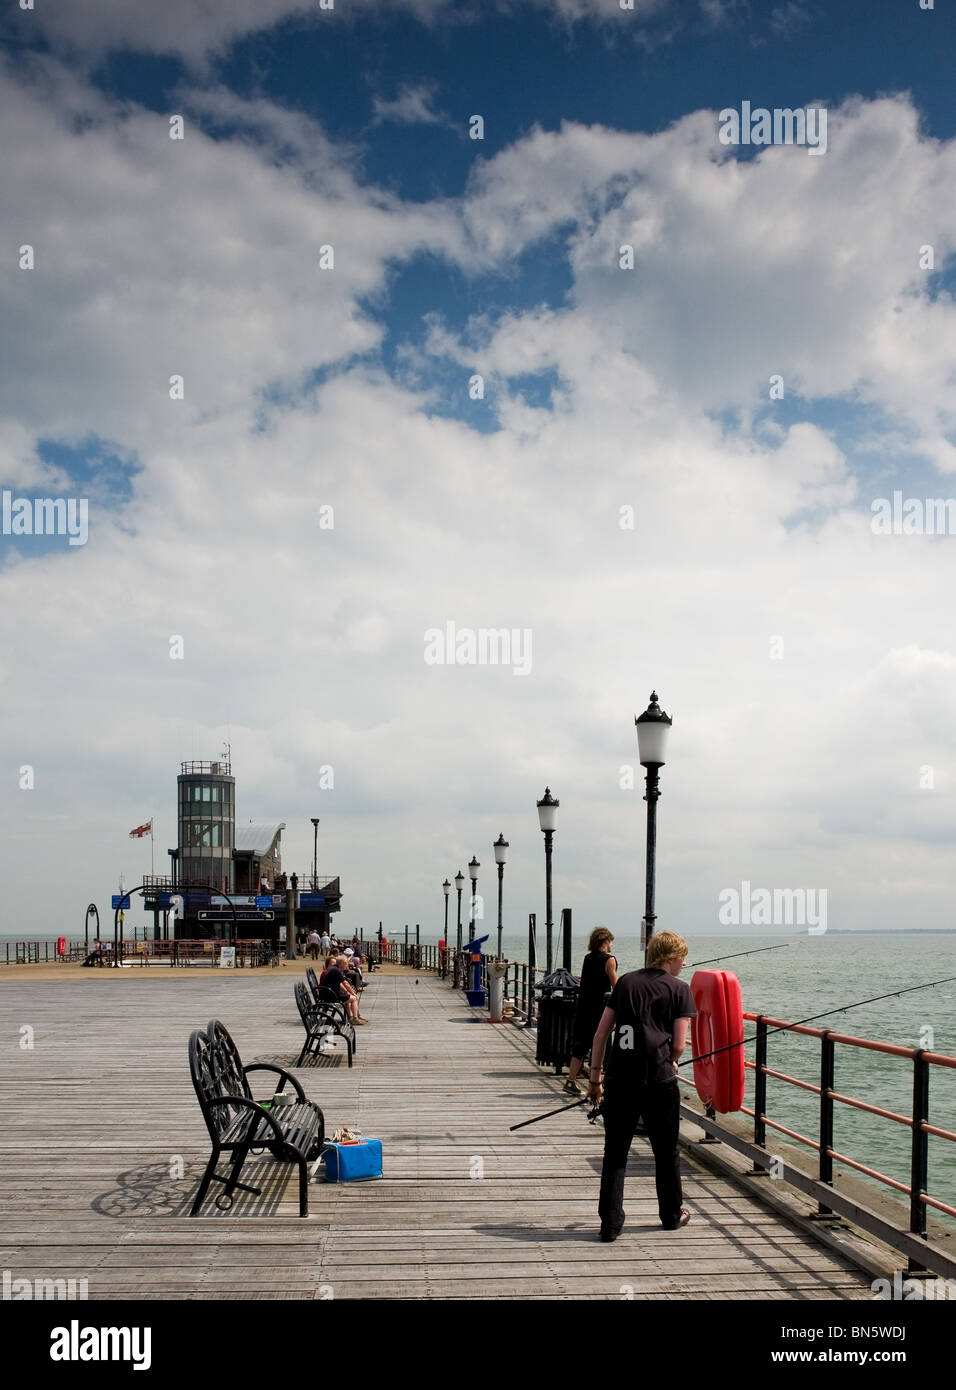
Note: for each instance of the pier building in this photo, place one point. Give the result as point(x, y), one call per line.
point(230, 876)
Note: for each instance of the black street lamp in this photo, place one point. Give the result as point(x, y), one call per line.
point(473, 868)
point(446, 889)
point(315, 855)
point(459, 884)
point(653, 726)
point(547, 812)
point(501, 853)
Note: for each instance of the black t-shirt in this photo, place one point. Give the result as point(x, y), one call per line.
point(594, 983)
point(646, 1004)
point(334, 979)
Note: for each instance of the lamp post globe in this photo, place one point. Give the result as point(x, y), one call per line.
point(547, 816)
point(653, 728)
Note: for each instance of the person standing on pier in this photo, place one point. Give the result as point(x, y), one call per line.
point(598, 978)
point(648, 1012)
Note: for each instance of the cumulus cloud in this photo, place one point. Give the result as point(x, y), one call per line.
point(641, 540)
point(190, 31)
point(747, 269)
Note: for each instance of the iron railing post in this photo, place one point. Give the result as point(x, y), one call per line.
point(827, 1058)
point(760, 1084)
point(919, 1164)
point(529, 1021)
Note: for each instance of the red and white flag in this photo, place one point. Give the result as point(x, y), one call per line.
point(141, 830)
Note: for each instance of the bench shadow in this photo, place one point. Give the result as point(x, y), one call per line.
point(150, 1191)
point(314, 1061)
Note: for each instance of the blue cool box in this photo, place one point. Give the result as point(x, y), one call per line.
point(353, 1162)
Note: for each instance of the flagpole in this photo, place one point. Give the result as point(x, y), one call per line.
point(152, 851)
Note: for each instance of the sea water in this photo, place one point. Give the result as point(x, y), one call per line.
point(814, 975)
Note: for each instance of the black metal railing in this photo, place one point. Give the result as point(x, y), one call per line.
point(918, 1121)
point(36, 952)
point(909, 1240)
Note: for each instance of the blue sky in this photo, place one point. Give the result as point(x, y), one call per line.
point(603, 389)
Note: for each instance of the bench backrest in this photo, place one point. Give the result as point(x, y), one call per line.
point(304, 1002)
point(312, 982)
point(216, 1070)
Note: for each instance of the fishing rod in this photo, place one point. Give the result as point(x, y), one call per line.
point(560, 1111)
point(737, 954)
point(844, 1008)
point(702, 1057)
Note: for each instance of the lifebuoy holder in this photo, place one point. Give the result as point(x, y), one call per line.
point(719, 1072)
point(61, 945)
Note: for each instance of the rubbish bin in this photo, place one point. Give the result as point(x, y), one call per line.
point(556, 1009)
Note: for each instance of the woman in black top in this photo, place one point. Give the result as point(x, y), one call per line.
point(598, 978)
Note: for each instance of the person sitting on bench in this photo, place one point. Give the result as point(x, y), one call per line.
point(334, 979)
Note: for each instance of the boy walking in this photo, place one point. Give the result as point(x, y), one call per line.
point(649, 1011)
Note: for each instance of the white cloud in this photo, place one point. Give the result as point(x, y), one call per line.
point(414, 105)
point(305, 645)
point(200, 258)
point(191, 31)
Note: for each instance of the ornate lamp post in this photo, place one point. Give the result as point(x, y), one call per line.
point(653, 726)
point(473, 868)
point(501, 853)
point(547, 812)
point(446, 889)
point(315, 855)
point(459, 884)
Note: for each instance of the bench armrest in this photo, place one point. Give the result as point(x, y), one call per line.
point(242, 1101)
point(279, 1071)
point(335, 1011)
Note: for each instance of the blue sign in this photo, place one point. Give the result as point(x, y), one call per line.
point(311, 900)
point(122, 902)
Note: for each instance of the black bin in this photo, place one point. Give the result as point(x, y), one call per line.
point(556, 1009)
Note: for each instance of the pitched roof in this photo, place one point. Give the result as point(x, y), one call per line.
point(258, 838)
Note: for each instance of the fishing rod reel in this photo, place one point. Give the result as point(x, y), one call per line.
point(596, 1113)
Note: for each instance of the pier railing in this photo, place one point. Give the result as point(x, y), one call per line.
point(35, 952)
point(183, 951)
point(921, 1062)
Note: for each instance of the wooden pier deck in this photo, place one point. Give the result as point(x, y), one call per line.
point(101, 1118)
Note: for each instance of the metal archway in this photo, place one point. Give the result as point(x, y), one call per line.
point(91, 911)
point(127, 899)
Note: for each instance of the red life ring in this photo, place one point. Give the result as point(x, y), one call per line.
point(61, 945)
point(719, 1024)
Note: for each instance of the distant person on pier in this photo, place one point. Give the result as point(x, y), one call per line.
point(598, 978)
point(294, 883)
point(315, 941)
point(648, 1012)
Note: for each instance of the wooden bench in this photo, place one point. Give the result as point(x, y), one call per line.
point(239, 1124)
point(321, 1019)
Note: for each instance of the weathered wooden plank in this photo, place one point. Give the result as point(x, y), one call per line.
point(100, 1113)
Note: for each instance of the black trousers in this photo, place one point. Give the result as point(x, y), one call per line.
point(624, 1105)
